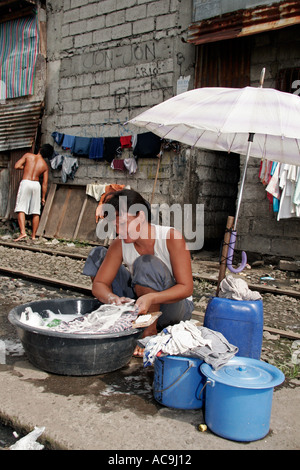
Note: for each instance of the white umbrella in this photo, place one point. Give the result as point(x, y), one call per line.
point(222, 118)
point(258, 122)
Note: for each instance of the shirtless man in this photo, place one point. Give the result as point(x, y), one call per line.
point(29, 194)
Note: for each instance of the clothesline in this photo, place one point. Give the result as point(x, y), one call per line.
point(282, 183)
point(146, 145)
point(109, 149)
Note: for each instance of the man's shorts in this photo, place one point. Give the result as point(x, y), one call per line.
point(29, 197)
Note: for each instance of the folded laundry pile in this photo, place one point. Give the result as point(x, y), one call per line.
point(106, 319)
point(237, 289)
point(187, 339)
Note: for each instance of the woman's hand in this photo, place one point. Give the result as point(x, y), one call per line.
point(116, 300)
point(144, 303)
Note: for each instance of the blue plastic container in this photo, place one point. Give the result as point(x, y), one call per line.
point(178, 382)
point(240, 321)
point(238, 398)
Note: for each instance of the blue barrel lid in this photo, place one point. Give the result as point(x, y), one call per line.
point(245, 372)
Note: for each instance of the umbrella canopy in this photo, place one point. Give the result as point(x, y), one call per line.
point(258, 122)
point(222, 118)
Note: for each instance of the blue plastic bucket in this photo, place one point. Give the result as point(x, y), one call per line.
point(238, 398)
point(240, 321)
point(178, 382)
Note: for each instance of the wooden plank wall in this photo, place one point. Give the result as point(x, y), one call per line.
point(68, 213)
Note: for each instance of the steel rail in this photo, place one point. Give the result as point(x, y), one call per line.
point(264, 289)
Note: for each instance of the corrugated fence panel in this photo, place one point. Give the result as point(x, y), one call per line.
point(18, 125)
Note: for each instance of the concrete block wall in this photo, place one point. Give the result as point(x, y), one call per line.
point(107, 62)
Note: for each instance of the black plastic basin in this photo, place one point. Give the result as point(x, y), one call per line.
point(71, 354)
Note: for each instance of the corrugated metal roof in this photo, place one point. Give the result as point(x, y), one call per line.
point(245, 22)
point(18, 124)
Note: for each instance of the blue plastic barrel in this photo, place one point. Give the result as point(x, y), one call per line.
point(240, 321)
point(178, 382)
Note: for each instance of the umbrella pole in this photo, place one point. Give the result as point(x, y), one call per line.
point(223, 261)
point(250, 140)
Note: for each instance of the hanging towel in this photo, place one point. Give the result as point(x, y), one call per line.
point(57, 137)
point(147, 145)
point(81, 146)
point(68, 142)
point(273, 185)
point(95, 190)
point(118, 164)
point(96, 148)
point(126, 141)
point(130, 164)
point(112, 148)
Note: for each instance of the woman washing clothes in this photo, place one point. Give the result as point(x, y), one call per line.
point(159, 274)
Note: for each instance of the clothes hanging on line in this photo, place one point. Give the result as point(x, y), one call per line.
point(273, 188)
point(126, 141)
point(118, 164)
point(67, 164)
point(112, 148)
point(95, 190)
point(68, 142)
point(58, 137)
point(81, 146)
point(282, 187)
point(147, 145)
point(288, 181)
point(96, 148)
point(130, 165)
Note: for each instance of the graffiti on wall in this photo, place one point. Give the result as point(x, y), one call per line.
point(119, 57)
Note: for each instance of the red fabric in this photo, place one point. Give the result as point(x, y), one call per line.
point(126, 141)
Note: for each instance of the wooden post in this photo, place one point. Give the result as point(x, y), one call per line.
point(222, 271)
point(156, 176)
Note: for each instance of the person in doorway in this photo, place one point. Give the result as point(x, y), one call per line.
point(159, 275)
point(31, 193)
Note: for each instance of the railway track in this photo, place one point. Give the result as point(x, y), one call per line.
point(258, 287)
point(86, 290)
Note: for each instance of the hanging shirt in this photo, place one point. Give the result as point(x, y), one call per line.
point(96, 148)
point(81, 146)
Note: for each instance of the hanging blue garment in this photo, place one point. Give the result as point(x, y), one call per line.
point(58, 137)
point(81, 146)
point(96, 148)
point(276, 203)
point(68, 142)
